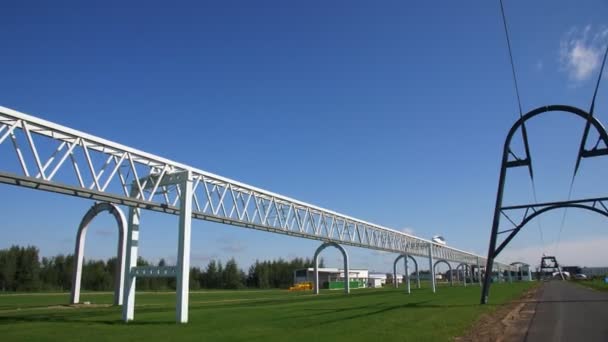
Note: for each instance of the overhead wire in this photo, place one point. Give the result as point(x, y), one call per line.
point(504, 22)
point(582, 146)
point(523, 127)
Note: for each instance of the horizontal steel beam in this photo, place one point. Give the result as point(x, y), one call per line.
point(556, 203)
point(154, 271)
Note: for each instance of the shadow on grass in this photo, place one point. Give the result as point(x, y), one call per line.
point(83, 317)
point(414, 305)
point(102, 315)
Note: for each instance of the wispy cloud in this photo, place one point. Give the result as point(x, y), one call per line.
point(105, 233)
point(408, 230)
point(231, 246)
point(202, 258)
point(581, 52)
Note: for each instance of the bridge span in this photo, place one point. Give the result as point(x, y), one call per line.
point(42, 155)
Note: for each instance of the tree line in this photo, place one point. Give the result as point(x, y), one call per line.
point(22, 269)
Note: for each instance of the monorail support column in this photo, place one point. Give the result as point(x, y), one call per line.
point(128, 307)
point(417, 273)
point(395, 284)
point(316, 277)
point(478, 272)
point(407, 274)
point(183, 249)
point(432, 267)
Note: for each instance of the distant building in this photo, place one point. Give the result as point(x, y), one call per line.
point(380, 279)
point(330, 277)
point(333, 278)
point(595, 271)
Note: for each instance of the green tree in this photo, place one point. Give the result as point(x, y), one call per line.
point(231, 276)
point(8, 268)
point(211, 275)
point(27, 276)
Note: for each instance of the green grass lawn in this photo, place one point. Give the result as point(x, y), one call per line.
point(597, 284)
point(271, 315)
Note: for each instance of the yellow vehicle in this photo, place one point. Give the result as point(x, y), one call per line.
point(304, 286)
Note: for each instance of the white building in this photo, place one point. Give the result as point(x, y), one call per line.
point(379, 279)
point(327, 275)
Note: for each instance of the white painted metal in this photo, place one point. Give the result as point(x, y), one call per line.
point(406, 258)
point(478, 272)
point(154, 271)
point(91, 167)
point(407, 275)
point(417, 272)
point(183, 254)
point(346, 267)
point(316, 280)
point(449, 269)
point(120, 253)
point(128, 302)
point(432, 267)
point(464, 269)
point(183, 182)
point(395, 282)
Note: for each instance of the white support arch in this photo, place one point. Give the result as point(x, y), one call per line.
point(520, 269)
point(464, 268)
point(407, 275)
point(346, 268)
point(96, 209)
point(449, 267)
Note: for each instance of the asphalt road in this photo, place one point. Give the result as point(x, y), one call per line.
point(569, 312)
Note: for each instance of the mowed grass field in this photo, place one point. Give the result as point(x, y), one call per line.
point(265, 315)
point(598, 284)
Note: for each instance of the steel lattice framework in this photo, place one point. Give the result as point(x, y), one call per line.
point(517, 216)
point(55, 158)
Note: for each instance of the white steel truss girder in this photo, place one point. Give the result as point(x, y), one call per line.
point(67, 161)
point(154, 271)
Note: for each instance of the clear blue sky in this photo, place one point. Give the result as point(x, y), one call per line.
point(389, 111)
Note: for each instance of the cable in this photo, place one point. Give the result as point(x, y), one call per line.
point(561, 227)
point(597, 85)
point(582, 147)
point(540, 229)
point(523, 126)
point(504, 21)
